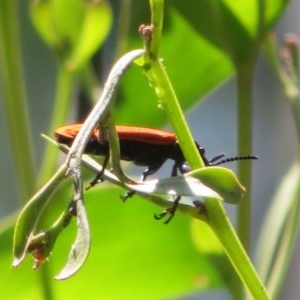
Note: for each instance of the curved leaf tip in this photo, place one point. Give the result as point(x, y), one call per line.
point(222, 181)
point(81, 248)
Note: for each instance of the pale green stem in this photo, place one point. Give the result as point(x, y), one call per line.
point(244, 86)
point(14, 100)
point(16, 110)
point(62, 104)
point(218, 219)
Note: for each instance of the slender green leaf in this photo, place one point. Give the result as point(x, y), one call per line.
point(81, 248)
point(223, 181)
point(273, 252)
point(30, 215)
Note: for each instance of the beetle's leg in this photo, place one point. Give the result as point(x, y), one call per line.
point(98, 178)
point(174, 170)
point(183, 168)
point(150, 170)
point(145, 174)
point(127, 195)
point(169, 211)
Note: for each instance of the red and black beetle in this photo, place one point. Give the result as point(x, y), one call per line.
point(143, 146)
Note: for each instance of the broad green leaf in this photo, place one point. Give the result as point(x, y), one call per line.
point(199, 42)
point(129, 249)
point(41, 17)
point(75, 29)
point(226, 25)
point(49, 18)
point(194, 66)
point(206, 242)
point(73, 12)
point(204, 239)
point(95, 28)
point(216, 22)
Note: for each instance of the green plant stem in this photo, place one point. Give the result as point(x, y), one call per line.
point(218, 219)
point(159, 79)
point(223, 229)
point(165, 92)
point(295, 102)
point(45, 278)
point(90, 82)
point(123, 22)
point(15, 104)
point(244, 126)
point(244, 86)
point(16, 110)
point(157, 15)
point(61, 109)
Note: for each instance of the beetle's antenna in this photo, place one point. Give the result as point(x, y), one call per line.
point(216, 158)
point(215, 162)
